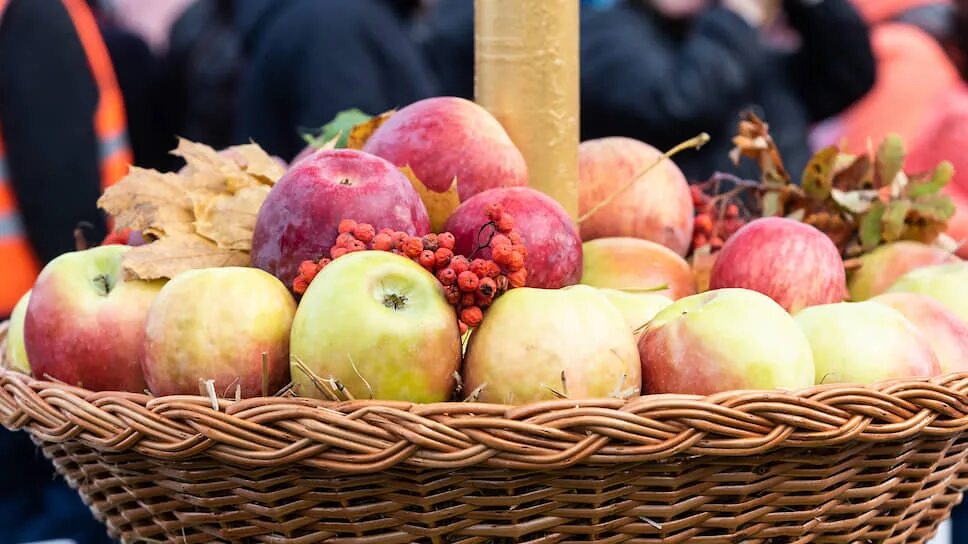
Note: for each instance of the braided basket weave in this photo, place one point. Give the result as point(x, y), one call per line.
point(832, 464)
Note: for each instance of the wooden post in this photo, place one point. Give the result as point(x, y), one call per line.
point(526, 75)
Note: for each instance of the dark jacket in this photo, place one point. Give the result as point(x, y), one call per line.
point(310, 59)
point(645, 78)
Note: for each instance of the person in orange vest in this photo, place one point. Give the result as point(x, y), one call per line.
point(62, 135)
point(62, 141)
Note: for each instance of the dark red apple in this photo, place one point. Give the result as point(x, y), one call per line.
point(550, 236)
point(299, 219)
point(443, 138)
point(789, 261)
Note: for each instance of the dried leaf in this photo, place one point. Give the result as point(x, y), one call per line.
point(753, 141)
point(889, 161)
point(859, 174)
point(817, 177)
point(941, 176)
point(833, 225)
point(439, 206)
point(149, 201)
point(893, 219)
point(771, 204)
point(257, 163)
point(229, 220)
point(205, 168)
point(172, 255)
point(854, 201)
point(871, 226)
point(337, 131)
point(362, 132)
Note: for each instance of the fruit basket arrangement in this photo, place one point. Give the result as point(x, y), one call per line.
point(398, 338)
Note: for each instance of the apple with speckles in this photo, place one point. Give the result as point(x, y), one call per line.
point(633, 264)
point(791, 262)
point(299, 218)
point(85, 323)
point(554, 249)
point(722, 340)
point(944, 331)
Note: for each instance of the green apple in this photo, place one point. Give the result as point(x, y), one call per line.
point(530, 338)
point(880, 268)
point(85, 323)
point(947, 335)
point(379, 323)
point(721, 340)
point(945, 283)
point(865, 342)
point(216, 323)
point(16, 353)
point(637, 308)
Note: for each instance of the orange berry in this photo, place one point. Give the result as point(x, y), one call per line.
point(479, 267)
point(460, 264)
point(383, 242)
point(699, 240)
point(337, 252)
point(364, 232)
point(518, 278)
point(447, 240)
point(472, 316)
point(487, 287)
point(704, 223)
point(493, 211)
point(356, 245)
point(492, 270)
point(732, 211)
point(447, 276)
point(399, 237)
point(300, 284)
point(515, 261)
point(467, 281)
point(443, 256)
point(430, 242)
point(345, 239)
point(505, 224)
point(467, 299)
point(323, 262)
point(346, 225)
point(453, 294)
point(514, 237)
point(412, 247)
point(427, 259)
point(501, 255)
point(499, 240)
point(308, 270)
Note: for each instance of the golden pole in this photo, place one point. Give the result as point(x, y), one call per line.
point(526, 75)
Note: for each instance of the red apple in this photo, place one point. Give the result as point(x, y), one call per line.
point(723, 340)
point(882, 267)
point(865, 342)
point(789, 261)
point(944, 331)
point(657, 207)
point(299, 218)
point(444, 138)
point(532, 342)
point(85, 324)
point(215, 323)
point(554, 249)
point(633, 264)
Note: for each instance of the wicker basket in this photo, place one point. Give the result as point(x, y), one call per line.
point(832, 464)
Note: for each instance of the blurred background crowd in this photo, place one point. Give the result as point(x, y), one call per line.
point(90, 86)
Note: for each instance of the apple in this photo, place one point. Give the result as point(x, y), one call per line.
point(945, 283)
point(299, 218)
point(531, 338)
point(791, 262)
point(944, 331)
point(637, 308)
point(216, 323)
point(554, 249)
point(880, 268)
point(633, 264)
point(85, 324)
point(16, 353)
point(723, 340)
point(657, 207)
point(379, 323)
point(865, 342)
point(445, 138)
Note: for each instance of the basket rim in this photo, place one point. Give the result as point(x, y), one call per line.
point(369, 436)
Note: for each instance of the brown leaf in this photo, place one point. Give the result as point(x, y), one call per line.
point(439, 206)
point(257, 163)
point(362, 132)
point(858, 175)
point(149, 201)
point(172, 255)
point(229, 220)
point(833, 225)
point(753, 141)
point(817, 177)
point(206, 169)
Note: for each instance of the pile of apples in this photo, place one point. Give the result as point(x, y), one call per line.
point(611, 307)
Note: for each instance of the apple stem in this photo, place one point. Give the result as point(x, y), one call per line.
point(692, 143)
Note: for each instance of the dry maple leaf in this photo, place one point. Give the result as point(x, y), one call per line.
point(172, 255)
point(439, 205)
point(362, 132)
point(149, 201)
point(229, 220)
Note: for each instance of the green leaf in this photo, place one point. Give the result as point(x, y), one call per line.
point(341, 125)
point(890, 160)
point(817, 177)
point(939, 178)
point(893, 219)
point(938, 208)
point(771, 204)
point(871, 228)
